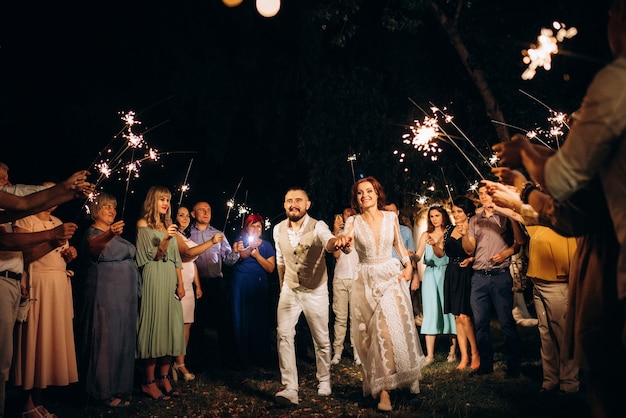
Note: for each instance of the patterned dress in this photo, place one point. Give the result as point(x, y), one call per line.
point(384, 334)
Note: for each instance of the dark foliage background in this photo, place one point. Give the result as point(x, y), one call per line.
point(277, 102)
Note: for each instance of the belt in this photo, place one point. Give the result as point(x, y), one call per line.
point(492, 272)
point(11, 275)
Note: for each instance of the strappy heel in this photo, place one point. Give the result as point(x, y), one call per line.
point(176, 371)
point(173, 393)
point(145, 389)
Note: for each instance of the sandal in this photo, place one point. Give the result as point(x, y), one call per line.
point(38, 412)
point(117, 401)
point(151, 393)
point(173, 393)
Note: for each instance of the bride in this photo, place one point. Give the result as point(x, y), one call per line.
point(384, 334)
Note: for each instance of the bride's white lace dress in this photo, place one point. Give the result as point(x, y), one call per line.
point(384, 328)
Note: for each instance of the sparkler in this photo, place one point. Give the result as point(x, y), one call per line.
point(231, 203)
point(351, 160)
point(126, 161)
point(540, 55)
point(425, 136)
point(557, 121)
point(185, 186)
point(447, 186)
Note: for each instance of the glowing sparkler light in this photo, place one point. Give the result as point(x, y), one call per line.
point(129, 118)
point(423, 137)
point(242, 211)
point(493, 160)
point(230, 203)
point(421, 199)
point(540, 55)
point(104, 169)
point(473, 187)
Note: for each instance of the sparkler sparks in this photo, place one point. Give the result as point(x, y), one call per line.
point(540, 55)
point(423, 137)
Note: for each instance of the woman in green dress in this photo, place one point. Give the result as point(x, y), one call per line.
point(160, 326)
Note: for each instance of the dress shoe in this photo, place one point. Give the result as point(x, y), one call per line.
point(287, 397)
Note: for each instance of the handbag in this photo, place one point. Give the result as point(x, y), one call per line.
point(22, 310)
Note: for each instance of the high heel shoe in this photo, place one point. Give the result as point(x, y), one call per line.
point(180, 369)
point(153, 391)
point(165, 378)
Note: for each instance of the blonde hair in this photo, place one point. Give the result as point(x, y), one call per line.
point(151, 207)
point(98, 201)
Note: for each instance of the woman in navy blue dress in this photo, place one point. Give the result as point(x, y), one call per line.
point(250, 294)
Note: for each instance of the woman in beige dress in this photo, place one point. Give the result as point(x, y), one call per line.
point(44, 353)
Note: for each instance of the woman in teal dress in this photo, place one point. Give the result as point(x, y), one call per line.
point(160, 325)
point(435, 322)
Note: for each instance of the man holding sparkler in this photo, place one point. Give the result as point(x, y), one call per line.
point(214, 306)
point(589, 170)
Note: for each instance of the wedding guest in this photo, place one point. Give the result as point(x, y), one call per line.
point(549, 268)
point(108, 323)
point(251, 325)
point(493, 239)
point(191, 282)
point(430, 252)
point(381, 301)
point(16, 205)
point(591, 161)
point(343, 279)
point(189, 252)
point(214, 310)
point(457, 282)
point(405, 231)
point(50, 318)
point(160, 334)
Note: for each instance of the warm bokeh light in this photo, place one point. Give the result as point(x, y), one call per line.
point(268, 8)
point(232, 3)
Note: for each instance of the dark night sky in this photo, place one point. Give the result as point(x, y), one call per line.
point(68, 68)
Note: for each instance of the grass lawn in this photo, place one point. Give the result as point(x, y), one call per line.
point(445, 392)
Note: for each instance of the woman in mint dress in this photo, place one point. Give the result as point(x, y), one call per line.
point(160, 326)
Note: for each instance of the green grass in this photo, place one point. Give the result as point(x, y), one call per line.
point(445, 393)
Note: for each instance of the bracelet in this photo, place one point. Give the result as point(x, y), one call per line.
point(526, 190)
